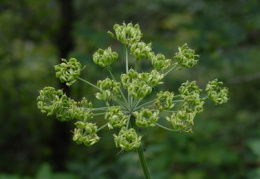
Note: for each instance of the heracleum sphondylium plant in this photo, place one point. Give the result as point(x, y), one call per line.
point(126, 107)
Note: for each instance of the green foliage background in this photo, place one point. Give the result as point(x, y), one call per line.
point(226, 138)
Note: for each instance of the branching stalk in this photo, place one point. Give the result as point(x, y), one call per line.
point(102, 127)
point(85, 81)
point(166, 128)
point(111, 74)
point(173, 66)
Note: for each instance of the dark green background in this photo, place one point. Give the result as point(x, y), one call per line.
point(34, 35)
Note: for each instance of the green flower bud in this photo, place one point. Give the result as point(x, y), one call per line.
point(107, 88)
point(140, 84)
point(127, 34)
point(68, 71)
point(193, 103)
point(189, 88)
point(80, 124)
point(55, 102)
point(182, 121)
point(146, 117)
point(190, 92)
point(126, 78)
point(164, 100)
point(186, 56)
point(215, 93)
point(85, 133)
point(105, 58)
point(116, 117)
point(140, 50)
point(127, 139)
point(139, 89)
point(159, 62)
point(155, 78)
point(77, 136)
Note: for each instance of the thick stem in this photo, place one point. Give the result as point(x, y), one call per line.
point(141, 152)
point(143, 162)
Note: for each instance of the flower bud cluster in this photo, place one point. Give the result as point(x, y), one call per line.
point(186, 56)
point(130, 114)
point(127, 139)
point(164, 100)
point(107, 88)
point(190, 93)
point(182, 120)
point(215, 93)
point(52, 102)
point(146, 117)
point(85, 133)
point(140, 85)
point(116, 117)
point(68, 71)
point(140, 50)
point(105, 58)
point(127, 33)
point(159, 62)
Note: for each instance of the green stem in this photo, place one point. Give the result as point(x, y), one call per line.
point(142, 105)
point(126, 59)
point(121, 103)
point(166, 128)
point(85, 81)
point(174, 65)
point(97, 114)
point(141, 153)
point(143, 162)
point(168, 111)
point(126, 66)
point(102, 127)
point(136, 103)
point(175, 101)
point(98, 109)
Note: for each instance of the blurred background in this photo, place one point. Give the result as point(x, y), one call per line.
point(35, 35)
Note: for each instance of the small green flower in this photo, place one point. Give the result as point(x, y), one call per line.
point(146, 117)
point(116, 117)
point(182, 121)
point(186, 57)
point(105, 58)
point(189, 88)
point(164, 100)
point(190, 93)
point(52, 102)
point(140, 85)
point(152, 79)
point(140, 50)
point(193, 103)
point(68, 71)
point(127, 33)
point(217, 94)
point(107, 88)
point(159, 62)
point(85, 133)
point(127, 139)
